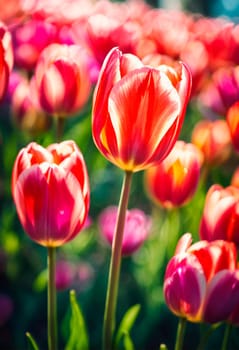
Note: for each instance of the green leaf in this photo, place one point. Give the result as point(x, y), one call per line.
point(31, 342)
point(40, 282)
point(78, 335)
point(125, 326)
point(128, 344)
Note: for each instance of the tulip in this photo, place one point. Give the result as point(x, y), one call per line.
point(26, 115)
point(220, 218)
point(51, 192)
point(235, 178)
point(173, 182)
point(213, 138)
point(64, 277)
point(232, 118)
point(29, 40)
point(199, 277)
point(136, 231)
point(222, 91)
point(61, 81)
point(138, 110)
point(6, 58)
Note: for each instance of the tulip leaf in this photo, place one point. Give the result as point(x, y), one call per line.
point(40, 282)
point(78, 339)
point(123, 333)
point(32, 345)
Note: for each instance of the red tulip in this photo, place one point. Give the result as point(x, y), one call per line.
point(199, 277)
point(61, 80)
point(232, 118)
point(51, 191)
point(220, 219)
point(138, 110)
point(212, 137)
point(6, 58)
point(173, 182)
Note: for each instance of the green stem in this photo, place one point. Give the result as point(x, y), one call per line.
point(180, 333)
point(60, 123)
point(115, 263)
point(206, 336)
point(51, 310)
point(226, 336)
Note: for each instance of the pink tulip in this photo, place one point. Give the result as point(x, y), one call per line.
point(30, 39)
point(61, 81)
point(65, 274)
point(222, 91)
point(199, 277)
point(138, 110)
point(51, 192)
point(220, 218)
point(173, 182)
point(137, 228)
point(26, 115)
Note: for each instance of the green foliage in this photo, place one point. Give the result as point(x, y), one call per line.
point(32, 345)
point(123, 333)
point(78, 339)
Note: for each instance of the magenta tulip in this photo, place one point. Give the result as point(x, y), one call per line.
point(136, 231)
point(199, 277)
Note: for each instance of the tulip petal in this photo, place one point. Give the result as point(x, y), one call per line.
point(50, 204)
point(185, 286)
point(142, 107)
point(222, 296)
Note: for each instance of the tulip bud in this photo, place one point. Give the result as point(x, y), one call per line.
point(138, 110)
point(213, 139)
point(220, 218)
point(173, 182)
point(61, 82)
point(137, 228)
point(51, 192)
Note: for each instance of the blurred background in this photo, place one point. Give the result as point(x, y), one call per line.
point(84, 262)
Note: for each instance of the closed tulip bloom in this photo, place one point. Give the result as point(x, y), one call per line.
point(138, 110)
point(232, 118)
point(6, 58)
point(213, 139)
point(220, 218)
point(235, 178)
point(26, 115)
point(199, 277)
point(51, 192)
point(61, 81)
point(173, 182)
point(136, 231)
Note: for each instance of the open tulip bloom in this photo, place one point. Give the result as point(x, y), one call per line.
point(199, 277)
point(138, 110)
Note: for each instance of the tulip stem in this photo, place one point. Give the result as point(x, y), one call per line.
point(115, 263)
point(180, 333)
point(52, 324)
point(226, 336)
point(60, 123)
